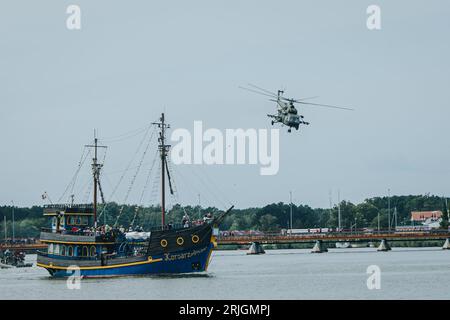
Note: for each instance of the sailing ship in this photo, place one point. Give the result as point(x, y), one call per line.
point(77, 243)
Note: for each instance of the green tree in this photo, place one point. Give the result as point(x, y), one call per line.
point(268, 223)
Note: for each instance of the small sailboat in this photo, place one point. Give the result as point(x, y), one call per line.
point(76, 242)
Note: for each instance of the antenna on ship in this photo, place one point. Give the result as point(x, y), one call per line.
point(163, 150)
point(96, 173)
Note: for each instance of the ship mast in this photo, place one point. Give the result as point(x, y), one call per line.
point(163, 150)
point(96, 173)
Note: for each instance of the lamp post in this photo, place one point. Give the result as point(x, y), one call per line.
point(389, 210)
point(339, 210)
point(290, 209)
point(13, 226)
point(378, 215)
point(6, 228)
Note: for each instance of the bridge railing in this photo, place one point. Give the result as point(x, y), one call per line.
point(343, 235)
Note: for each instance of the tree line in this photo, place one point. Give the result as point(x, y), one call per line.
point(270, 218)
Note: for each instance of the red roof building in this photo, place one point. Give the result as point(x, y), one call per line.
point(424, 215)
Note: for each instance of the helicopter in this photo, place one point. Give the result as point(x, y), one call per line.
point(287, 113)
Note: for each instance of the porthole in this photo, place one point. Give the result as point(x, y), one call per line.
point(195, 238)
point(163, 243)
point(180, 241)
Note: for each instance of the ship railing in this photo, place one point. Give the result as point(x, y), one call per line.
point(68, 205)
point(50, 255)
point(70, 232)
point(176, 226)
point(97, 234)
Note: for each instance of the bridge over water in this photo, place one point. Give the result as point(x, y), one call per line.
point(333, 237)
point(277, 238)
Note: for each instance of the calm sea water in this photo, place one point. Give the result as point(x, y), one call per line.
point(406, 273)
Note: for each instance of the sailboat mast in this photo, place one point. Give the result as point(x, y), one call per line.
point(163, 176)
point(94, 165)
point(96, 173)
point(163, 149)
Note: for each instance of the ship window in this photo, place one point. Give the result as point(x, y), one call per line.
point(78, 220)
point(63, 250)
point(56, 251)
point(70, 251)
point(93, 251)
point(85, 251)
point(50, 248)
point(84, 220)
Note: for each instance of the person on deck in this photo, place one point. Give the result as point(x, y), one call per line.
point(185, 221)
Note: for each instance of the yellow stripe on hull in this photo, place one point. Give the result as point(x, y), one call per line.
point(100, 267)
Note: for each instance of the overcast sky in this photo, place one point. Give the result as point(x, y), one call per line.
point(131, 60)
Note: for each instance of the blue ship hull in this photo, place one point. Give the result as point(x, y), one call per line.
point(177, 263)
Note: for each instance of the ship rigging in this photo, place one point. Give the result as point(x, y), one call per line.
point(76, 238)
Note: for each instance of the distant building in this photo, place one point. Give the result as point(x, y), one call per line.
point(422, 216)
point(431, 219)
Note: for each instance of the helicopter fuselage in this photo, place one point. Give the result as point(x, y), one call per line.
point(287, 115)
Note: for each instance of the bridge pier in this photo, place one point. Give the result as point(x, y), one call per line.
point(384, 246)
point(256, 248)
point(319, 247)
point(446, 244)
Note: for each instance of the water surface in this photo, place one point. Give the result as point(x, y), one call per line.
point(406, 273)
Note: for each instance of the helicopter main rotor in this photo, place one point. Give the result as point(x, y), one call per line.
point(287, 114)
point(279, 96)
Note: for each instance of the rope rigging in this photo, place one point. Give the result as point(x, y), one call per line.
point(126, 170)
point(144, 189)
point(75, 176)
point(203, 181)
point(190, 186)
point(135, 175)
point(98, 180)
point(126, 135)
